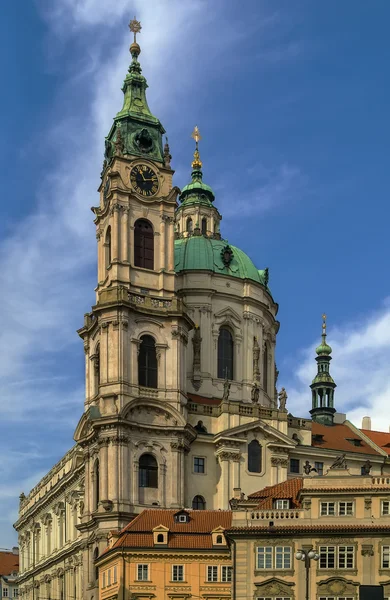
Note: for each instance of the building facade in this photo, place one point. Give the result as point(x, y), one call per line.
point(9, 569)
point(168, 554)
point(181, 408)
point(343, 518)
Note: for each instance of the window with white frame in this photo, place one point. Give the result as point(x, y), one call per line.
point(273, 598)
point(5, 591)
point(328, 509)
point(16, 593)
point(142, 572)
point(337, 557)
point(212, 573)
point(109, 577)
point(385, 557)
point(345, 509)
point(282, 504)
point(278, 557)
point(385, 507)
point(199, 464)
point(319, 467)
point(226, 573)
point(177, 572)
point(336, 598)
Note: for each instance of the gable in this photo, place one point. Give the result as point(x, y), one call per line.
point(269, 433)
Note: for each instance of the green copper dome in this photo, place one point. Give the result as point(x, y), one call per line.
point(323, 348)
point(201, 253)
point(197, 190)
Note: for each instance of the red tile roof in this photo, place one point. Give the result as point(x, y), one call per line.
point(196, 534)
point(380, 438)
point(285, 490)
point(202, 400)
point(335, 437)
point(9, 563)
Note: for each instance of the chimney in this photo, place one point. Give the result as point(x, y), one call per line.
point(15, 550)
point(366, 423)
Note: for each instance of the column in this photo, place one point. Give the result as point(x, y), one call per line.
point(171, 246)
point(223, 492)
point(175, 471)
point(236, 470)
point(112, 453)
point(135, 498)
point(115, 237)
point(162, 242)
point(125, 235)
point(103, 464)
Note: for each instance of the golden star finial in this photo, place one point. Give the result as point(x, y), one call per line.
point(135, 27)
point(196, 163)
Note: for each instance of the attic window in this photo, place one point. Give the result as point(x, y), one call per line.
point(182, 518)
point(219, 539)
point(355, 441)
point(318, 438)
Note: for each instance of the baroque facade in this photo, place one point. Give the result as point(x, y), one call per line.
point(181, 408)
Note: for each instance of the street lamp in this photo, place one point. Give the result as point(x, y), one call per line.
point(307, 556)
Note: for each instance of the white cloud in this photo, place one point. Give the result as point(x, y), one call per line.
point(360, 368)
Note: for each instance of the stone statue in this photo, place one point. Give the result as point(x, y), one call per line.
point(282, 399)
point(226, 390)
point(340, 462)
point(366, 468)
point(167, 154)
point(256, 359)
point(196, 343)
point(200, 427)
point(119, 145)
point(255, 394)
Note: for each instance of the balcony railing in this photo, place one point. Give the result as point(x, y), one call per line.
point(274, 514)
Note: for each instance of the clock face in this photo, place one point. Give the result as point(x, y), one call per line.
point(144, 180)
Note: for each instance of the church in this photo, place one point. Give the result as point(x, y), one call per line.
point(181, 406)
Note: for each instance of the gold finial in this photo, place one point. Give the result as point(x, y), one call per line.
point(135, 27)
point(196, 163)
point(324, 324)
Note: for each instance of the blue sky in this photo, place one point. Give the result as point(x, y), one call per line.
point(292, 102)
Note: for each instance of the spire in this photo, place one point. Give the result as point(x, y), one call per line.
point(141, 131)
point(197, 190)
point(323, 385)
point(196, 163)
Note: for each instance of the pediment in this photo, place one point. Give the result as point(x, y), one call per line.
point(160, 528)
point(227, 314)
point(84, 427)
point(265, 431)
point(218, 529)
point(152, 413)
point(275, 587)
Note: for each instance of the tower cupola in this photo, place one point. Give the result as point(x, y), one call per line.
point(323, 386)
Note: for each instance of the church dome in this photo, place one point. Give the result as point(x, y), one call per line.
point(201, 253)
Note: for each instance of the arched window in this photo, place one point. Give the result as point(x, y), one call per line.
point(95, 557)
point(265, 368)
point(148, 471)
point(254, 457)
point(225, 354)
point(189, 225)
point(199, 503)
point(219, 539)
point(107, 245)
point(160, 537)
point(143, 244)
point(96, 483)
point(147, 362)
point(204, 226)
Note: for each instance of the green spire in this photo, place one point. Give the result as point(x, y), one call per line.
point(197, 192)
point(323, 385)
point(139, 131)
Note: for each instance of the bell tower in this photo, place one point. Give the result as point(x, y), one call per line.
point(323, 386)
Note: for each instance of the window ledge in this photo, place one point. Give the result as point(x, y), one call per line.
point(268, 572)
point(337, 571)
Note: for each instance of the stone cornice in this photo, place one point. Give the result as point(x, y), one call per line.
point(51, 561)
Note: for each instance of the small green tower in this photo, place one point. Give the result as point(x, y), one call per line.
point(323, 386)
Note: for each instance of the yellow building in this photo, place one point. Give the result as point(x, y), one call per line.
point(342, 519)
point(168, 554)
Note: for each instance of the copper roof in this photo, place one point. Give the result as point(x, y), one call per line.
point(9, 563)
point(287, 490)
point(195, 534)
point(380, 438)
point(335, 437)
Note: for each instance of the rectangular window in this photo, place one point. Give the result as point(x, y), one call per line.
point(274, 558)
point(337, 557)
point(283, 557)
point(115, 576)
point(385, 562)
point(328, 509)
point(264, 557)
point(5, 591)
point(212, 573)
point(294, 465)
point(16, 593)
point(273, 598)
point(142, 572)
point(282, 504)
point(319, 467)
point(199, 464)
point(226, 573)
point(104, 580)
point(109, 577)
point(345, 509)
point(385, 507)
point(177, 572)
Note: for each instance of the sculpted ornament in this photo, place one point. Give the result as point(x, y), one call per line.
point(282, 399)
point(256, 359)
point(255, 393)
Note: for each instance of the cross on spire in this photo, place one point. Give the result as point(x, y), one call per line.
point(196, 163)
point(135, 27)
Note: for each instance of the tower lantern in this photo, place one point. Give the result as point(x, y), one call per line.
point(323, 386)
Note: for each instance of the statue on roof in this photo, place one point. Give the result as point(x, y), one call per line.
point(282, 399)
point(366, 468)
point(226, 389)
point(255, 393)
point(340, 462)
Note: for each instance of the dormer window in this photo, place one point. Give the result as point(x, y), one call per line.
point(282, 504)
point(182, 517)
point(160, 535)
point(318, 438)
point(218, 537)
point(355, 441)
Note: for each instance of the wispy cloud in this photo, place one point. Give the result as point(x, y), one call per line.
point(360, 368)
